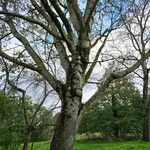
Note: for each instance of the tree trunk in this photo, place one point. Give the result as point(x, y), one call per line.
point(146, 126)
point(64, 135)
point(71, 98)
point(146, 100)
point(115, 116)
point(27, 140)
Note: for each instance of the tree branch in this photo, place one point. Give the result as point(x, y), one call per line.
point(32, 21)
point(18, 89)
point(63, 18)
point(54, 19)
point(90, 7)
point(75, 14)
point(87, 76)
point(62, 54)
point(41, 67)
point(113, 76)
point(12, 59)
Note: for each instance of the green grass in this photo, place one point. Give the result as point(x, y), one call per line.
point(113, 146)
point(99, 145)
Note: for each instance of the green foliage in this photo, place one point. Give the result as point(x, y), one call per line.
point(45, 128)
point(116, 114)
point(11, 122)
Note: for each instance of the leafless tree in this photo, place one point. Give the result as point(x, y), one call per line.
point(137, 38)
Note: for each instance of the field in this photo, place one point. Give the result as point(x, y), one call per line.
point(84, 145)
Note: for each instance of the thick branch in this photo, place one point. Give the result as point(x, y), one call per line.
point(63, 18)
point(12, 59)
point(41, 11)
point(62, 54)
point(54, 18)
point(41, 67)
point(113, 76)
point(26, 44)
point(90, 8)
point(75, 14)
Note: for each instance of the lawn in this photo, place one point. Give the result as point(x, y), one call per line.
point(84, 145)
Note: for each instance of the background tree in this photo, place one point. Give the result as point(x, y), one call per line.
point(13, 127)
point(116, 115)
point(135, 42)
point(55, 39)
point(140, 39)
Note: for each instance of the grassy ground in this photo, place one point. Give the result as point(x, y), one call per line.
point(80, 145)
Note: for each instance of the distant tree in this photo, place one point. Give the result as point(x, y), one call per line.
point(12, 126)
point(12, 123)
point(116, 114)
point(137, 37)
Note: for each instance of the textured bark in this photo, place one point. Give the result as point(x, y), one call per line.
point(27, 140)
point(65, 131)
point(64, 134)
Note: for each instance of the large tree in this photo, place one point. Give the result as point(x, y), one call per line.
point(137, 41)
point(55, 38)
point(139, 34)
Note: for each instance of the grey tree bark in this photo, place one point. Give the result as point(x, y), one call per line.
point(64, 135)
point(65, 130)
point(27, 140)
